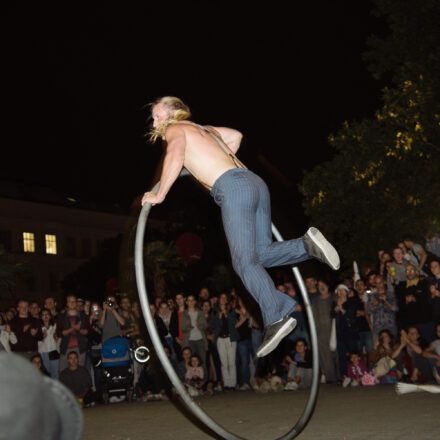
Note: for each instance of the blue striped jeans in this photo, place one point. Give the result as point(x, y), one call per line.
point(245, 208)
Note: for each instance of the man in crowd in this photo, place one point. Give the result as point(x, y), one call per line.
point(414, 301)
point(77, 379)
point(312, 286)
point(111, 320)
point(51, 305)
point(396, 270)
point(27, 330)
point(322, 309)
point(73, 328)
point(300, 331)
point(203, 296)
point(382, 307)
point(34, 310)
point(420, 254)
point(363, 322)
point(80, 303)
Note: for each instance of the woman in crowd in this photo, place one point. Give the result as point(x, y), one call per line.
point(7, 336)
point(48, 347)
point(226, 335)
point(193, 325)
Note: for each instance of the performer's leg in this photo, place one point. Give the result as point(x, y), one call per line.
point(239, 220)
point(273, 253)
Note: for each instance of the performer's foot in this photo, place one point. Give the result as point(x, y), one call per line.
point(274, 333)
point(318, 247)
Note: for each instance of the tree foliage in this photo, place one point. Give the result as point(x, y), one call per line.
point(10, 271)
point(383, 182)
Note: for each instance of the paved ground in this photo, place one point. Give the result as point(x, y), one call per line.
point(352, 413)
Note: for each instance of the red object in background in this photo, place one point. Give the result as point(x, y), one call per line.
point(112, 286)
point(190, 247)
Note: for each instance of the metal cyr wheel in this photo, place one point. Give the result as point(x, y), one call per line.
point(180, 388)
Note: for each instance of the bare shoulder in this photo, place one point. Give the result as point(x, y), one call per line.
point(226, 133)
point(175, 131)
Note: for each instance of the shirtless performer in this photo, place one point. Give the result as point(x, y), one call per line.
point(208, 153)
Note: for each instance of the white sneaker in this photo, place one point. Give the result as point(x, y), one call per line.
point(346, 382)
point(245, 387)
point(291, 386)
point(319, 247)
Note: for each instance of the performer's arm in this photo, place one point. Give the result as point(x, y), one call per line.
point(172, 165)
point(232, 138)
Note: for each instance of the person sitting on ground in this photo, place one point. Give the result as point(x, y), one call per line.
point(411, 342)
point(299, 375)
point(37, 362)
point(355, 371)
point(194, 376)
point(432, 353)
point(77, 379)
point(381, 357)
point(184, 364)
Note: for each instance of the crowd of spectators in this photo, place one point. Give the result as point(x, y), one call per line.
point(379, 326)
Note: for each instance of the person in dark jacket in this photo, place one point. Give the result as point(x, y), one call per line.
point(73, 328)
point(27, 330)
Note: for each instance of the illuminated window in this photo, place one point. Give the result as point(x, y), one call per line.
point(51, 244)
point(28, 242)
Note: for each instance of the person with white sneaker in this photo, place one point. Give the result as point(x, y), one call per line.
point(208, 153)
point(299, 375)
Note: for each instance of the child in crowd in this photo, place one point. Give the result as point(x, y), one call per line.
point(355, 371)
point(194, 376)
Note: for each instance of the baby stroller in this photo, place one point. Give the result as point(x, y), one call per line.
point(117, 369)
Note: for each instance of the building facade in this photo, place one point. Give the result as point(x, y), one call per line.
point(54, 240)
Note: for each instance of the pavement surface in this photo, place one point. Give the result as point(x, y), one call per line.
point(341, 413)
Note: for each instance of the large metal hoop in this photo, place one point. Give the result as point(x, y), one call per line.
point(180, 388)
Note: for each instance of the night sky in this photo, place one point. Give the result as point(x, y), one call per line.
point(77, 80)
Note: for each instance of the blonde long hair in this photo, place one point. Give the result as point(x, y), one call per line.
point(178, 111)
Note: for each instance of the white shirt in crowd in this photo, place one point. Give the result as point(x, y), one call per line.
point(48, 343)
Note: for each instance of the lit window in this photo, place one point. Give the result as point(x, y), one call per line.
point(51, 244)
point(28, 242)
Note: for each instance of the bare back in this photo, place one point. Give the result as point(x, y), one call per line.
point(204, 157)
